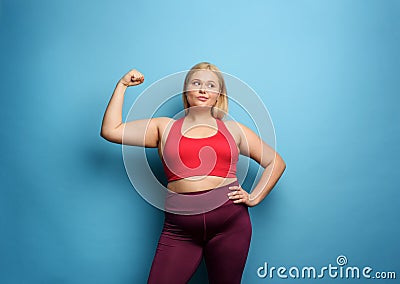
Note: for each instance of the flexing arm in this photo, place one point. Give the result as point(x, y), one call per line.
point(252, 146)
point(140, 132)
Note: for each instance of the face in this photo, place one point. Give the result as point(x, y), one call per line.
point(203, 88)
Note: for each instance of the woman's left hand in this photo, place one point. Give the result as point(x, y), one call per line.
point(239, 195)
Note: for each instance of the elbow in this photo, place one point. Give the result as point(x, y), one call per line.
point(276, 162)
point(108, 135)
point(282, 163)
point(104, 134)
point(283, 167)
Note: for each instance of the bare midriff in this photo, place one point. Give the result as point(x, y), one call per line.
point(198, 183)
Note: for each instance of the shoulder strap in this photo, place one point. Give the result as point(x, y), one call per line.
point(175, 130)
point(227, 134)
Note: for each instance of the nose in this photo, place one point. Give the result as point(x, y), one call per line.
point(202, 88)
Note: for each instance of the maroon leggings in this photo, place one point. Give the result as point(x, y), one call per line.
point(221, 235)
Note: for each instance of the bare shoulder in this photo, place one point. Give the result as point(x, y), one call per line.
point(230, 124)
point(235, 127)
point(163, 121)
point(158, 122)
point(242, 133)
point(163, 124)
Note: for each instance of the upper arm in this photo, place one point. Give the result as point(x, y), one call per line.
point(253, 146)
point(142, 132)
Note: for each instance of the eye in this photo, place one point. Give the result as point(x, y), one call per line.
point(211, 85)
point(196, 83)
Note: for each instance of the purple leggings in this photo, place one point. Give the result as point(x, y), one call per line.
point(221, 235)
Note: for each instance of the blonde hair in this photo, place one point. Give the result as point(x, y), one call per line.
point(221, 107)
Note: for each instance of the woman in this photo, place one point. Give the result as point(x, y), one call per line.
point(199, 152)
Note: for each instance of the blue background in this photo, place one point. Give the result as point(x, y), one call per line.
point(327, 71)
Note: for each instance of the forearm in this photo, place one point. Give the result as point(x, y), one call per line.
point(268, 179)
point(113, 114)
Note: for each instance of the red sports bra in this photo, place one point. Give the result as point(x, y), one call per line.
point(185, 157)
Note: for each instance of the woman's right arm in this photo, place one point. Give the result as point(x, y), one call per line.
point(142, 132)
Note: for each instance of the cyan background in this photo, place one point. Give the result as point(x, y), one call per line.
point(327, 71)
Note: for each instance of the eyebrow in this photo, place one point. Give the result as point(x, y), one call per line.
point(209, 81)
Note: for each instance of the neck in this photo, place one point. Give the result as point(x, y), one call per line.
point(199, 114)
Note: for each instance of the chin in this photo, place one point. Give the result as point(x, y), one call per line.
point(201, 105)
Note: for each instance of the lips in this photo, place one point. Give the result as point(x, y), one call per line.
point(202, 98)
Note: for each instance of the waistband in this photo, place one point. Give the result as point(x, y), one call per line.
point(190, 203)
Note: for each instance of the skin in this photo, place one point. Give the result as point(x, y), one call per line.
point(202, 94)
